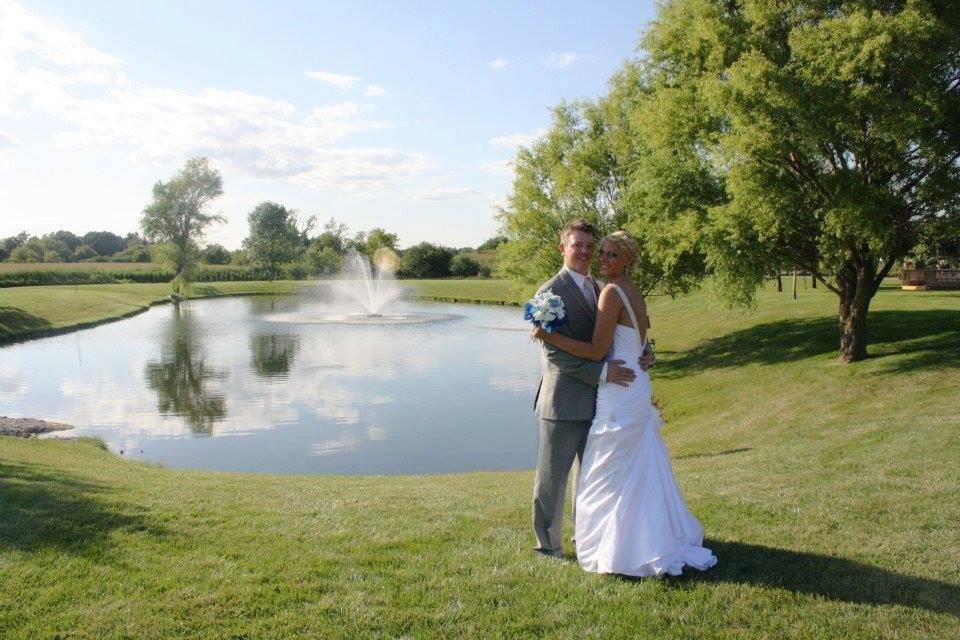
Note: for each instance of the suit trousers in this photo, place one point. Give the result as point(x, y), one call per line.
point(561, 447)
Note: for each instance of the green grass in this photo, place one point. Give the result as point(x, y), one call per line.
point(27, 312)
point(481, 290)
point(829, 492)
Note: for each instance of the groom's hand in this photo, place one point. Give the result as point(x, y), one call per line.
point(618, 374)
point(647, 359)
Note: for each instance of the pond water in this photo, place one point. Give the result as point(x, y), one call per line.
point(279, 384)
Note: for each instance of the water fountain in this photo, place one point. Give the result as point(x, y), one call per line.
point(372, 289)
point(368, 295)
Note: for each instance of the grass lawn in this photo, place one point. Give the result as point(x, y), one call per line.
point(829, 492)
point(487, 290)
point(33, 311)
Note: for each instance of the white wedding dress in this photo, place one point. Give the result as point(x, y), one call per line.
point(631, 518)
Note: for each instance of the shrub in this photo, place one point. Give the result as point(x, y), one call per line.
point(425, 260)
point(463, 266)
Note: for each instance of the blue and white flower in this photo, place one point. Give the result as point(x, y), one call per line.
point(546, 311)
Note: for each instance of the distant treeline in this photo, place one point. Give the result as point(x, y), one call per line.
point(319, 256)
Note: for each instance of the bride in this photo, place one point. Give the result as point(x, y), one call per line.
point(631, 518)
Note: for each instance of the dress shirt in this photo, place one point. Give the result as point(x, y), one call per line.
point(583, 282)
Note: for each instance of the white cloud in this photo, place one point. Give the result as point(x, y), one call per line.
point(497, 167)
point(515, 140)
point(448, 194)
point(339, 80)
point(563, 60)
point(374, 90)
point(40, 61)
point(45, 69)
point(8, 140)
point(499, 63)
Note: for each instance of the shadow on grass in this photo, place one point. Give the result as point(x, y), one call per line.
point(925, 339)
point(43, 509)
point(16, 320)
point(824, 576)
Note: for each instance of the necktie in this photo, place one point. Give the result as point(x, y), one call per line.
point(589, 292)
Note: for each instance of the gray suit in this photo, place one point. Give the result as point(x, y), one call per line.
point(565, 404)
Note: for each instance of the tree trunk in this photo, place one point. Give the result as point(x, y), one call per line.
point(813, 280)
point(779, 282)
point(794, 284)
point(855, 300)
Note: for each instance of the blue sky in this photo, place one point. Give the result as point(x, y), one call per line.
point(393, 114)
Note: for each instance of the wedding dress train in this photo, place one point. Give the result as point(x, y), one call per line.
point(631, 518)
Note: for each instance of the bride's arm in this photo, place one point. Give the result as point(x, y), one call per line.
point(608, 311)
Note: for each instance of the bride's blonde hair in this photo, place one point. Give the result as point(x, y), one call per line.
point(625, 243)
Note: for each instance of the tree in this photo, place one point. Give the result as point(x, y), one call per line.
point(583, 168)
point(132, 239)
point(133, 253)
point(938, 245)
point(215, 254)
point(274, 236)
point(7, 245)
point(104, 243)
point(425, 260)
point(492, 243)
point(335, 236)
point(30, 251)
point(67, 238)
point(832, 128)
point(322, 260)
point(54, 249)
point(176, 216)
point(377, 239)
point(84, 252)
point(463, 266)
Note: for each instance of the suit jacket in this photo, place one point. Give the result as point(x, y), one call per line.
point(568, 385)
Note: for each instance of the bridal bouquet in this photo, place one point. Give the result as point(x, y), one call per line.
point(546, 311)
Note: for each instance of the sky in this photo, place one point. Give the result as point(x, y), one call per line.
point(401, 115)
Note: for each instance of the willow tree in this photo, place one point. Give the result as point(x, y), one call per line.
point(582, 168)
point(833, 127)
point(176, 217)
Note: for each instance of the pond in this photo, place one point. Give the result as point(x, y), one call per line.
point(272, 384)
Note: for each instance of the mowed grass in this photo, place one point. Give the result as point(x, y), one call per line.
point(829, 492)
point(480, 290)
point(33, 311)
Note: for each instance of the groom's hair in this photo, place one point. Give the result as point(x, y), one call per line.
point(579, 224)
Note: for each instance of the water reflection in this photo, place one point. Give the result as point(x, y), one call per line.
point(290, 397)
point(272, 354)
point(181, 378)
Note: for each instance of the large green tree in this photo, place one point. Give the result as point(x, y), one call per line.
point(584, 167)
point(177, 216)
point(275, 237)
point(833, 128)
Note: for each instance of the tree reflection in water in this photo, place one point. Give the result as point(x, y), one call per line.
point(181, 377)
point(272, 354)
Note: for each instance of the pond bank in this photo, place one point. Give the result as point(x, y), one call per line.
point(27, 313)
point(29, 427)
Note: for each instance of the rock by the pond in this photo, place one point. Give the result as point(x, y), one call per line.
point(26, 427)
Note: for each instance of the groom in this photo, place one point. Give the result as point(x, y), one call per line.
point(566, 399)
